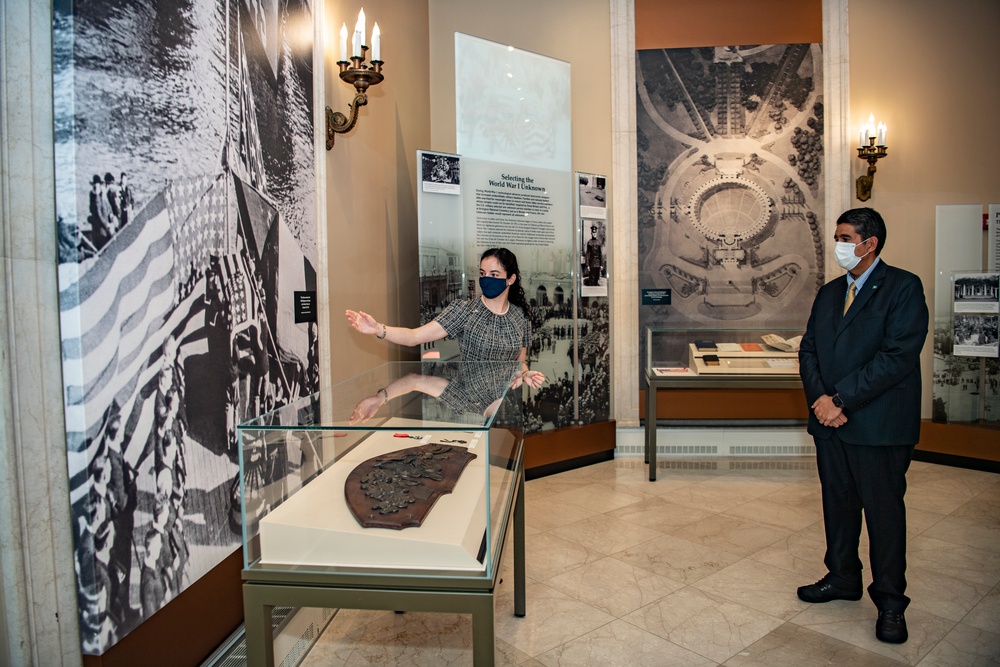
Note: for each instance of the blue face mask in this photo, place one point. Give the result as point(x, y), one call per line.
point(492, 287)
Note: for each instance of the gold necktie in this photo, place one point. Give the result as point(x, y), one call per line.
point(850, 297)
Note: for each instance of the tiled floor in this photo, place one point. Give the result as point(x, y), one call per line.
point(701, 567)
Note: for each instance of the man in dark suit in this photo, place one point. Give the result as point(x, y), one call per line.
point(860, 365)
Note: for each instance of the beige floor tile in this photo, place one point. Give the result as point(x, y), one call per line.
point(919, 522)
point(356, 637)
point(546, 514)
point(954, 559)
point(747, 485)
point(790, 645)
point(552, 618)
point(677, 559)
point(777, 514)
point(705, 624)
point(798, 554)
point(737, 535)
point(596, 497)
point(755, 585)
point(965, 645)
point(800, 495)
point(983, 509)
point(986, 614)
point(612, 586)
point(708, 496)
point(932, 502)
point(943, 595)
point(549, 486)
point(966, 531)
point(620, 644)
point(660, 514)
point(606, 534)
point(548, 555)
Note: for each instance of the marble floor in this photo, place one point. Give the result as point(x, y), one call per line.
point(700, 568)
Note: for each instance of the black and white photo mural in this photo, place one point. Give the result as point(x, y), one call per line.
point(186, 223)
point(730, 185)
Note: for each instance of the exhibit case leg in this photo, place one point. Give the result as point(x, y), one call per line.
point(651, 431)
point(519, 571)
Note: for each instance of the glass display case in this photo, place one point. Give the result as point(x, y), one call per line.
point(391, 490)
point(723, 359)
point(682, 353)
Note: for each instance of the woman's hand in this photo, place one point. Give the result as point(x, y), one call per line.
point(363, 322)
point(533, 379)
point(366, 409)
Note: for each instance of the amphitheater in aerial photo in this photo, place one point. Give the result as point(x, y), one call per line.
point(729, 154)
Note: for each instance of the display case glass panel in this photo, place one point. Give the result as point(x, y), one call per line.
point(714, 352)
point(407, 468)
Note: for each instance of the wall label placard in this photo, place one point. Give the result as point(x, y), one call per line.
point(305, 306)
point(656, 297)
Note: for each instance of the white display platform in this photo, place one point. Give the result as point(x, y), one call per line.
point(315, 526)
point(733, 361)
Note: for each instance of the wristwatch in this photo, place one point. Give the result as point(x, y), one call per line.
point(837, 402)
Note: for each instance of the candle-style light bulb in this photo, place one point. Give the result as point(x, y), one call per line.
point(881, 134)
point(864, 136)
point(359, 35)
point(871, 125)
point(376, 42)
point(343, 42)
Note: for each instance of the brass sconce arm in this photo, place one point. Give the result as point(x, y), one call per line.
point(359, 75)
point(338, 123)
point(872, 154)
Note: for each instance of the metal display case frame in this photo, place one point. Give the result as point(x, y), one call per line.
point(311, 441)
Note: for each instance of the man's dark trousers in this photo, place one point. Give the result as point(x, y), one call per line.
point(872, 478)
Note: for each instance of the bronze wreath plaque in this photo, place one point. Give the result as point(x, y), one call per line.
point(397, 490)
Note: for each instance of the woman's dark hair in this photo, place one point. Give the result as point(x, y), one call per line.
point(508, 261)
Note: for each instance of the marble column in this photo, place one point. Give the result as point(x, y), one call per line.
point(37, 580)
point(625, 368)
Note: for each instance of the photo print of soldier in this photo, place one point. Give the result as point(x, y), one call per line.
point(594, 260)
point(185, 204)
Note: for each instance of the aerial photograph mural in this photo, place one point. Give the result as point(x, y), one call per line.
point(730, 184)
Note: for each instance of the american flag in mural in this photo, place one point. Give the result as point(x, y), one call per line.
point(177, 269)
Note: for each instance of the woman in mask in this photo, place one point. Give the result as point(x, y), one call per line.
point(493, 327)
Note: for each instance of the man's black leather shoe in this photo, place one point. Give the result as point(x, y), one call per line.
point(891, 627)
point(824, 591)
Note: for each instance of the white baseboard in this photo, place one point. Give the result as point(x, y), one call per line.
point(713, 441)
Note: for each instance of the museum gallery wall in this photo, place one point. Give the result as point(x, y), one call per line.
point(186, 213)
point(511, 186)
point(730, 188)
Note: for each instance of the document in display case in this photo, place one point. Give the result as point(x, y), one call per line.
point(691, 353)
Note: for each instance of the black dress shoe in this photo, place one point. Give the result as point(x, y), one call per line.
point(891, 627)
point(824, 591)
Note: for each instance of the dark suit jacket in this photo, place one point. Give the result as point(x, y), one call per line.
point(870, 356)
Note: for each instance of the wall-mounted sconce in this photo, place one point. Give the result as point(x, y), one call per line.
point(871, 149)
point(356, 72)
